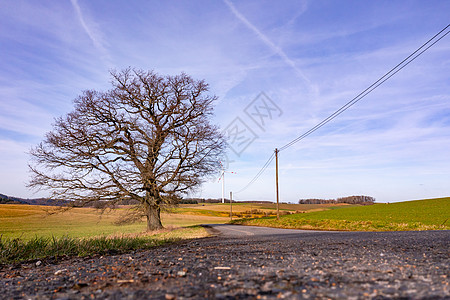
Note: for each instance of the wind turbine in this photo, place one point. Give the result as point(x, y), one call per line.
point(222, 177)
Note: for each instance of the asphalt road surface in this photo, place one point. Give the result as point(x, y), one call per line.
point(234, 231)
point(243, 262)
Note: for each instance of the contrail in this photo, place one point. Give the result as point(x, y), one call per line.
point(266, 41)
point(95, 40)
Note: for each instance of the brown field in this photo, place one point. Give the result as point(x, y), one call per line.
point(28, 221)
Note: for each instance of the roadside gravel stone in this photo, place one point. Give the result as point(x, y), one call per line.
point(316, 265)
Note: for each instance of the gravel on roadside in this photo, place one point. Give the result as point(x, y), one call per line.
point(345, 265)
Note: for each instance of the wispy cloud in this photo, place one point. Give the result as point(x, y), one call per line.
point(276, 49)
point(93, 33)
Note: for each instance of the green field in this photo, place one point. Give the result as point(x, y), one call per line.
point(431, 214)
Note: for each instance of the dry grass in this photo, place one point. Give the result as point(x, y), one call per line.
point(29, 221)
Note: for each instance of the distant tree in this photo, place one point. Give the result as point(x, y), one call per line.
point(350, 200)
point(316, 201)
point(356, 200)
point(148, 139)
point(188, 201)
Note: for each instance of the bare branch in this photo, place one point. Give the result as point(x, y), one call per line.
point(148, 139)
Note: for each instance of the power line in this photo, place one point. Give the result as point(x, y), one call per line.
point(372, 87)
point(360, 96)
point(261, 171)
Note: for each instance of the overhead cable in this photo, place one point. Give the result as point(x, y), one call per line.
point(436, 38)
point(261, 171)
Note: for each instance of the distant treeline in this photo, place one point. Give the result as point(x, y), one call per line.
point(212, 200)
point(201, 200)
point(39, 201)
point(4, 199)
point(365, 200)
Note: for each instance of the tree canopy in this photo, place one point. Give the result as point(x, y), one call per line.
point(149, 139)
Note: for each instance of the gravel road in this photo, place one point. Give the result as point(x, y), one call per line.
point(244, 262)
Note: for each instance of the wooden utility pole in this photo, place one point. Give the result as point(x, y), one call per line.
point(223, 185)
point(276, 182)
point(231, 206)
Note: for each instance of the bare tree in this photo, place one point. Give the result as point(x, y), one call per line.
point(147, 139)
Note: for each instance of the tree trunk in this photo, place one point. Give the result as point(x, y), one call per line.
point(153, 213)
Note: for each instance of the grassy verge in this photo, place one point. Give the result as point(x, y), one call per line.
point(16, 250)
point(432, 214)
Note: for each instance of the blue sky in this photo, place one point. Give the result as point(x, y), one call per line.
point(304, 58)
